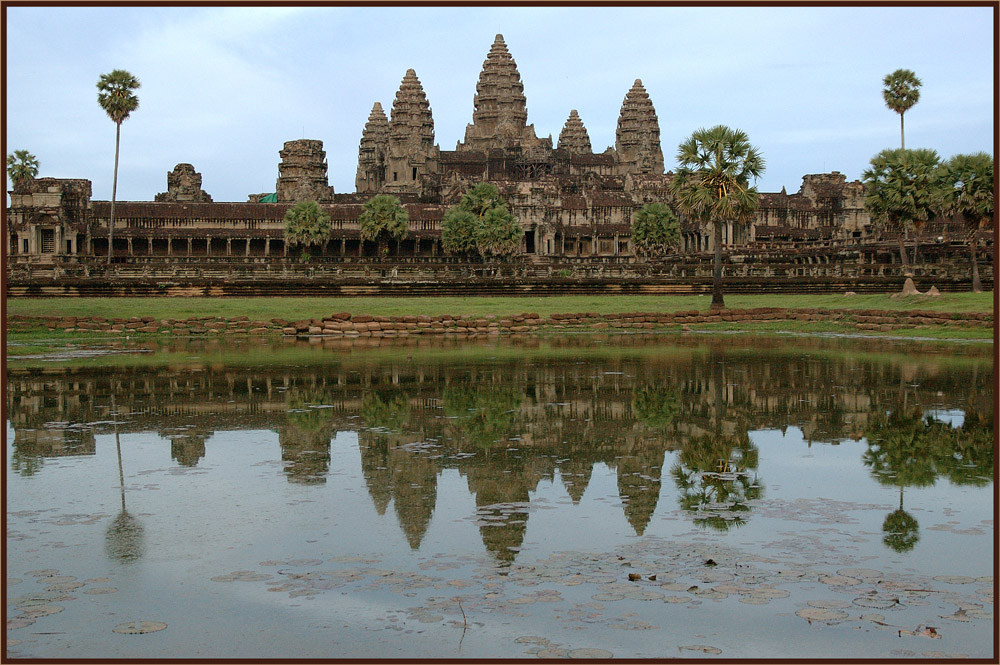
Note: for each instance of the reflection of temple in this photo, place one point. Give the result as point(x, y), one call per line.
point(527, 417)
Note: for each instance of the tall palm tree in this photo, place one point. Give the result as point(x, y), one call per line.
point(902, 190)
point(712, 184)
point(116, 95)
point(901, 92)
point(21, 167)
point(967, 190)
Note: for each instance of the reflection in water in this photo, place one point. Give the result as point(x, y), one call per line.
point(908, 449)
point(123, 540)
point(716, 478)
point(510, 417)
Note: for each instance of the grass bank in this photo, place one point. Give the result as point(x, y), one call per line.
point(306, 308)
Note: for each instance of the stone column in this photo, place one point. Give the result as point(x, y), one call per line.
point(343, 246)
point(229, 246)
point(190, 246)
point(130, 247)
point(150, 246)
point(267, 247)
point(170, 246)
point(248, 247)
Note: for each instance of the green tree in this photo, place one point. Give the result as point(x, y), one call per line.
point(481, 223)
point(458, 232)
point(22, 167)
point(655, 229)
point(307, 224)
point(902, 189)
point(712, 184)
point(967, 191)
point(656, 405)
point(384, 218)
point(901, 92)
point(498, 234)
point(116, 95)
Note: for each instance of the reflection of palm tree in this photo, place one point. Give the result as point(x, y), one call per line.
point(656, 405)
point(901, 452)
point(385, 409)
point(123, 540)
point(716, 480)
point(901, 528)
point(966, 453)
point(484, 416)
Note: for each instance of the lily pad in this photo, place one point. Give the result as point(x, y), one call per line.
point(36, 611)
point(590, 653)
point(715, 651)
point(139, 627)
point(820, 614)
point(876, 602)
point(954, 579)
point(96, 591)
point(839, 580)
point(608, 596)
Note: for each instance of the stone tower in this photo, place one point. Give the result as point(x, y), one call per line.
point(372, 152)
point(500, 113)
point(637, 140)
point(412, 155)
point(574, 137)
point(302, 172)
point(184, 184)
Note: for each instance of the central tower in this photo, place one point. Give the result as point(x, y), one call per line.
point(500, 113)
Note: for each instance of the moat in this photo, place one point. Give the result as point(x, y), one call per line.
point(626, 496)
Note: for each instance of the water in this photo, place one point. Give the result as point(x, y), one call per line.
point(620, 496)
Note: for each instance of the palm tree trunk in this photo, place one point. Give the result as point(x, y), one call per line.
point(977, 286)
point(717, 302)
point(902, 137)
point(114, 192)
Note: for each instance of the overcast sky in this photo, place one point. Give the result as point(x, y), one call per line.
point(224, 87)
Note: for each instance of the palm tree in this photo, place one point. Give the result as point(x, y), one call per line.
point(713, 184)
point(902, 91)
point(902, 190)
point(481, 223)
point(116, 95)
point(967, 190)
point(655, 229)
point(307, 224)
point(22, 166)
point(383, 217)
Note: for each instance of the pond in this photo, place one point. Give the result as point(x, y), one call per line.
point(630, 496)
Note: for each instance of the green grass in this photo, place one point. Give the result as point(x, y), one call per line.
point(306, 308)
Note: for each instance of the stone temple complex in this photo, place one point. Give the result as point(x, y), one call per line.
point(574, 205)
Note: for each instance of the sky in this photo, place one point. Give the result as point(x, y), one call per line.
point(224, 87)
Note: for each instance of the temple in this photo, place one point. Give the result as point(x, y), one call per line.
point(573, 204)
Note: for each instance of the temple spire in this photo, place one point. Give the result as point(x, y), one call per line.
point(637, 140)
point(574, 137)
point(500, 113)
point(372, 152)
point(412, 153)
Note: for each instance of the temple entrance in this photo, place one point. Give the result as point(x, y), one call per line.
point(529, 241)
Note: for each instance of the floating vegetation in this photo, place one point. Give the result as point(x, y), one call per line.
point(139, 627)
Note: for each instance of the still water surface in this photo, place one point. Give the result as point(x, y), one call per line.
point(625, 497)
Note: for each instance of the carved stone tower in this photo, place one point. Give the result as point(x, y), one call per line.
point(412, 155)
point(184, 184)
point(574, 137)
point(372, 153)
point(302, 172)
point(637, 141)
point(500, 114)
